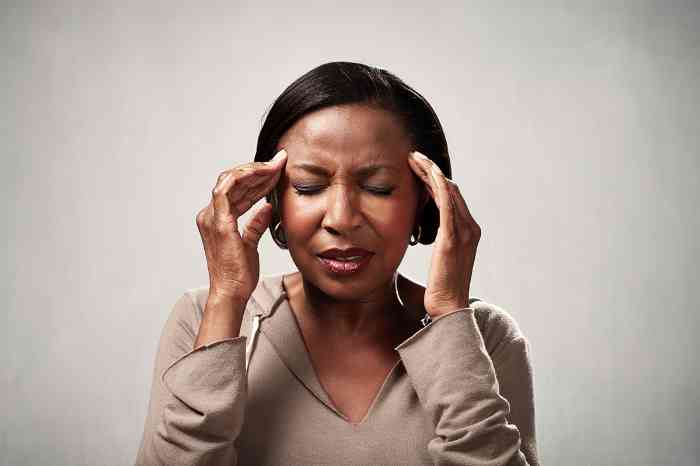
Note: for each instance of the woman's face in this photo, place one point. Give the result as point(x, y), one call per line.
point(347, 183)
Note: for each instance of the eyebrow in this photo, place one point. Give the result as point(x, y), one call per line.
point(365, 170)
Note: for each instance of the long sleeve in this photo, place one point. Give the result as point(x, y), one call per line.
point(455, 380)
point(515, 381)
point(197, 403)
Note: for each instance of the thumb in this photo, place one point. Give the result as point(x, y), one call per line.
point(257, 225)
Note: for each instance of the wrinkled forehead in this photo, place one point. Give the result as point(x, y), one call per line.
point(346, 137)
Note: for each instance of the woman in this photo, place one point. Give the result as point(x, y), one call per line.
point(345, 361)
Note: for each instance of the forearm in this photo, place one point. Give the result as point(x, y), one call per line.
point(222, 319)
point(455, 381)
point(198, 395)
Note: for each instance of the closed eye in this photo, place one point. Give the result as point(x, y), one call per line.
point(307, 190)
point(311, 190)
point(379, 191)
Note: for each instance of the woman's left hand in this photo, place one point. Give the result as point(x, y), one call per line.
point(454, 251)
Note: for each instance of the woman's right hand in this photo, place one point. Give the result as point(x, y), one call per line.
point(232, 258)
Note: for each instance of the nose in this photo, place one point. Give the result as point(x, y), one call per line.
point(342, 216)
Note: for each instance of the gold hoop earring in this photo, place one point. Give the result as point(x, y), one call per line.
point(412, 242)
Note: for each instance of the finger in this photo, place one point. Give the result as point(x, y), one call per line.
point(274, 164)
point(465, 213)
point(230, 194)
point(242, 186)
point(204, 218)
point(246, 199)
point(447, 209)
point(257, 225)
point(251, 173)
point(461, 219)
point(219, 197)
point(422, 172)
point(252, 187)
point(254, 173)
point(235, 184)
point(440, 192)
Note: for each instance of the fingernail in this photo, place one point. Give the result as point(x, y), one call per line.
point(417, 154)
point(278, 156)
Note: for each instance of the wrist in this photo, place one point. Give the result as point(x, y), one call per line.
point(223, 315)
point(440, 309)
point(224, 300)
point(447, 310)
point(226, 295)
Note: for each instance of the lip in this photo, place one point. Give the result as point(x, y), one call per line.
point(335, 253)
point(344, 268)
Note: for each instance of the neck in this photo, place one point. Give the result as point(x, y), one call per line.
point(369, 317)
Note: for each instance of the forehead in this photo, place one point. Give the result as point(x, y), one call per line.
point(347, 136)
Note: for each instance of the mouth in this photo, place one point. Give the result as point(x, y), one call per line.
point(345, 254)
point(345, 261)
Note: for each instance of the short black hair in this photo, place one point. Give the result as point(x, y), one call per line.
point(341, 82)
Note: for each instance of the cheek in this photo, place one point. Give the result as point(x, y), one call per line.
point(302, 215)
point(391, 218)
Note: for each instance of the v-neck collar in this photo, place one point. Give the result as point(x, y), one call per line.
point(281, 328)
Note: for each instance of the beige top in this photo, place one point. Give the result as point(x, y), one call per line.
point(461, 394)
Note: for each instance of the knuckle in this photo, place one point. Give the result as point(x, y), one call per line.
point(468, 239)
point(221, 227)
point(244, 202)
point(222, 175)
point(452, 246)
point(219, 190)
point(255, 229)
point(204, 213)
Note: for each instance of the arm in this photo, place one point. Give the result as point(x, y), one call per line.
point(515, 379)
point(199, 387)
point(196, 409)
point(455, 380)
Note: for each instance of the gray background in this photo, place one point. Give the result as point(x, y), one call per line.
point(574, 136)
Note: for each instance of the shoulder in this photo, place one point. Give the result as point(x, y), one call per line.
point(509, 350)
point(185, 317)
point(498, 327)
point(189, 308)
point(198, 298)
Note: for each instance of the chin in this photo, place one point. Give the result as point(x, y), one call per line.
point(344, 287)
